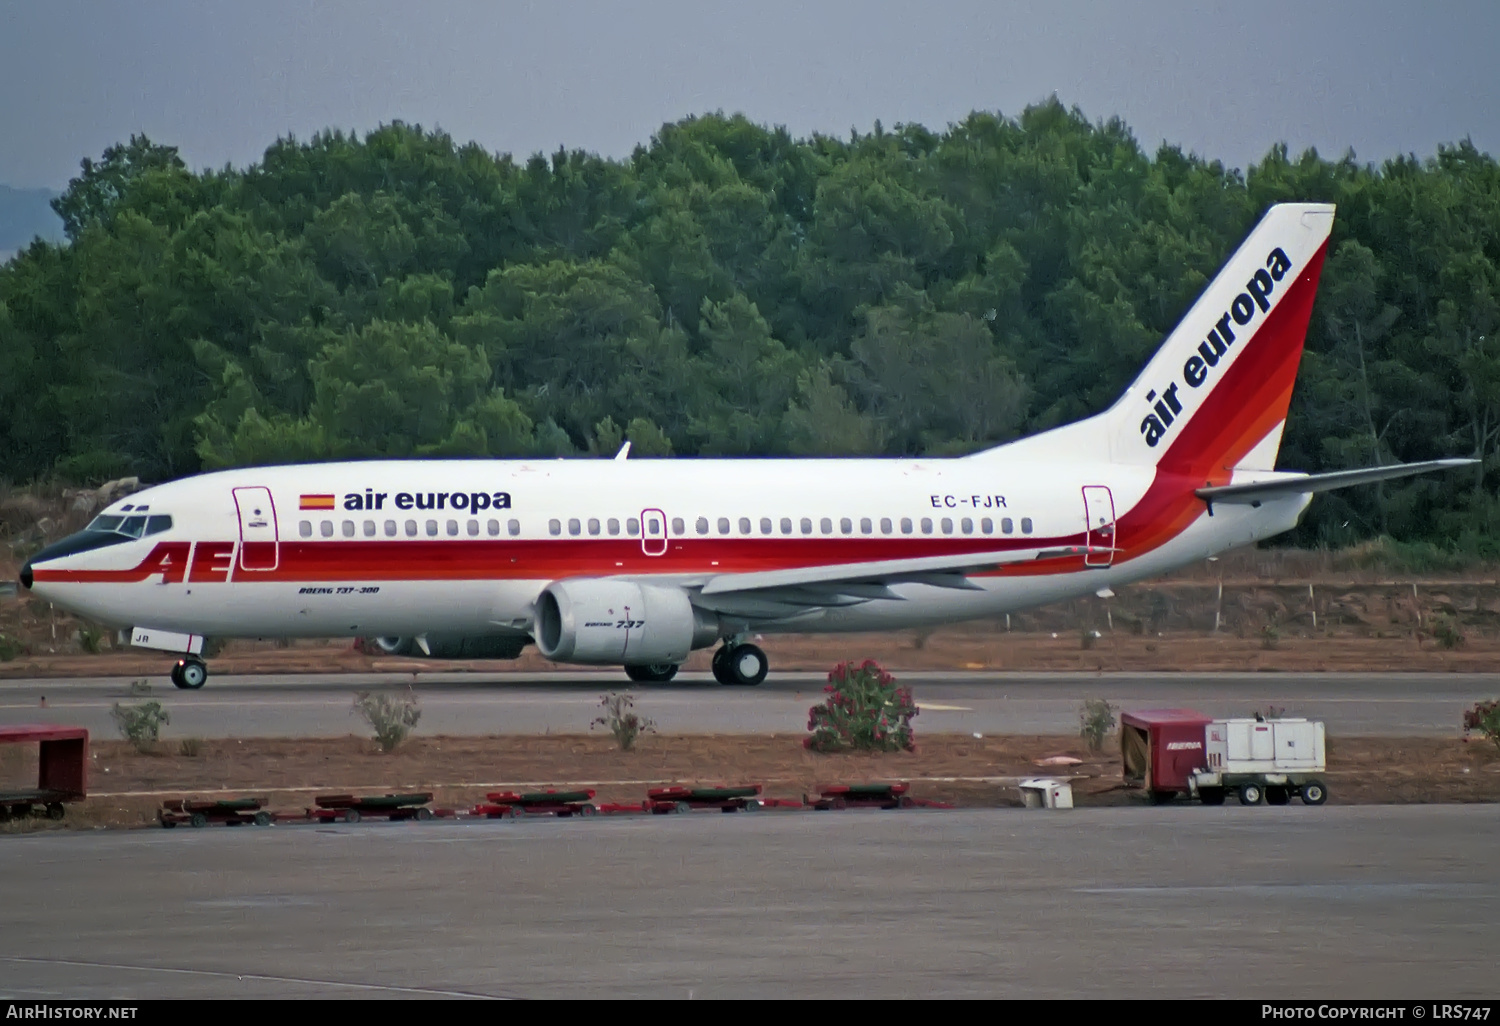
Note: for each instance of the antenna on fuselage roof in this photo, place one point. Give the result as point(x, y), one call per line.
point(624, 451)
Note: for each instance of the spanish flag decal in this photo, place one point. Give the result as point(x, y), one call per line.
point(316, 502)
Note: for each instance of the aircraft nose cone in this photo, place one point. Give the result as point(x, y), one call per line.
point(26, 577)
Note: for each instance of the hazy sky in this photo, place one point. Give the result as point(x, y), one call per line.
point(223, 80)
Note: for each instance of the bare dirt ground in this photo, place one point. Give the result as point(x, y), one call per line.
point(128, 786)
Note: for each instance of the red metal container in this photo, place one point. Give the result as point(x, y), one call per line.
point(1162, 747)
point(62, 767)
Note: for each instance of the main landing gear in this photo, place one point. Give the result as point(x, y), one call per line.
point(652, 673)
point(740, 664)
point(190, 673)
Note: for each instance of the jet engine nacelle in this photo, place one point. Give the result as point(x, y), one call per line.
point(612, 623)
point(454, 646)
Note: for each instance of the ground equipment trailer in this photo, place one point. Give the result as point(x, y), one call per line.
point(62, 769)
point(1161, 748)
point(1262, 762)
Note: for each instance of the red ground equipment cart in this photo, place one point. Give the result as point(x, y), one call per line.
point(1161, 748)
point(62, 769)
point(228, 811)
point(348, 808)
point(686, 799)
point(508, 804)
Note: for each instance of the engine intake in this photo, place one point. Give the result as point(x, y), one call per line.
point(610, 623)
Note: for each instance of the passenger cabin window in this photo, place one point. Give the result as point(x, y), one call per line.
point(723, 525)
point(369, 528)
point(632, 526)
point(390, 529)
point(325, 528)
point(885, 525)
point(512, 526)
point(432, 529)
point(906, 525)
point(305, 529)
point(947, 525)
point(926, 525)
point(987, 525)
point(865, 527)
point(806, 525)
point(678, 530)
point(701, 525)
point(348, 529)
point(492, 527)
point(554, 527)
point(765, 525)
point(966, 525)
point(744, 525)
point(593, 525)
point(825, 525)
point(786, 525)
point(453, 528)
point(1007, 525)
point(411, 528)
point(473, 529)
point(613, 525)
point(846, 526)
point(575, 526)
point(1025, 525)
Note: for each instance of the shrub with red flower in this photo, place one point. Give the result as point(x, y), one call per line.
point(865, 712)
point(1485, 718)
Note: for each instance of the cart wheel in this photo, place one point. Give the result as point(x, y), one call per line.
point(1211, 795)
point(168, 824)
point(1252, 794)
point(351, 815)
point(198, 819)
point(424, 814)
point(752, 805)
point(4, 813)
point(507, 813)
point(587, 810)
point(21, 810)
point(1314, 793)
point(1278, 795)
point(56, 811)
point(682, 807)
point(262, 819)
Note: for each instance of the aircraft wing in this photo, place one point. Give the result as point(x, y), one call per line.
point(770, 593)
point(1257, 492)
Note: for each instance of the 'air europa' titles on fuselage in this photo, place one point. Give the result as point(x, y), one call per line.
point(463, 502)
point(1199, 367)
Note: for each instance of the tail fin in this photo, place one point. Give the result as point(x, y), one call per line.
point(1215, 395)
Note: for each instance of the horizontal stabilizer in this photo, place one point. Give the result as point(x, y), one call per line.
point(1303, 484)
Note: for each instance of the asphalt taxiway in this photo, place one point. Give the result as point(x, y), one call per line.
point(1410, 704)
point(1368, 901)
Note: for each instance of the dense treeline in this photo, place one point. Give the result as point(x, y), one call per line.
point(731, 290)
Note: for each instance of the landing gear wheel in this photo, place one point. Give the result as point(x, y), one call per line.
point(1278, 795)
point(190, 674)
point(652, 673)
point(1252, 794)
point(1314, 793)
point(745, 665)
point(721, 665)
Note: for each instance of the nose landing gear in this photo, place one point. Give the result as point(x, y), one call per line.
point(190, 673)
point(744, 665)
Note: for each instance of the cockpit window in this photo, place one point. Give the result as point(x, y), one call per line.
point(131, 527)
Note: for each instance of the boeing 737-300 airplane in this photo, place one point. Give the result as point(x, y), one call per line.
point(637, 563)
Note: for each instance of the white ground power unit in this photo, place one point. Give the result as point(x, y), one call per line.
point(1262, 762)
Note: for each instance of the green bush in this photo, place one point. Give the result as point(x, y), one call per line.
point(1484, 718)
point(1270, 636)
point(621, 720)
point(190, 747)
point(390, 716)
point(1095, 720)
point(1448, 633)
point(140, 724)
point(91, 638)
point(10, 649)
point(865, 711)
